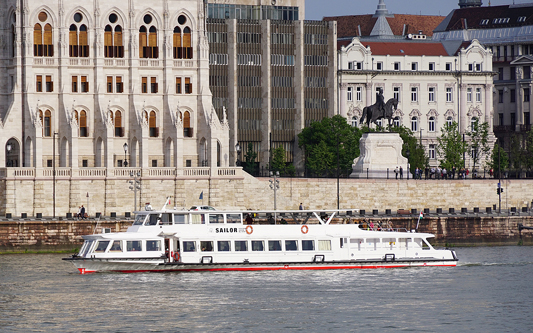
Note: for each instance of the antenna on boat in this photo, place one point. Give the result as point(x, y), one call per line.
point(167, 202)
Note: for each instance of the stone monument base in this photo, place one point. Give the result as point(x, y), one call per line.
point(381, 153)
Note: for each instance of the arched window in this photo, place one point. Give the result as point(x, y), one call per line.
point(473, 123)
point(414, 124)
point(42, 42)
point(148, 39)
point(182, 40)
point(84, 132)
point(154, 130)
point(13, 37)
point(449, 121)
point(187, 130)
point(119, 130)
point(354, 121)
point(78, 40)
point(431, 124)
point(47, 126)
point(396, 121)
point(113, 46)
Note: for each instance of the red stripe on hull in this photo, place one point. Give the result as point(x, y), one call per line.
point(288, 267)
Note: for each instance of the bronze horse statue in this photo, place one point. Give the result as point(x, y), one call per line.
point(373, 114)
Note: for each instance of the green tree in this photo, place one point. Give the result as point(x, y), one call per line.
point(451, 147)
point(279, 162)
point(529, 150)
point(321, 140)
point(250, 164)
point(518, 154)
point(479, 142)
point(498, 160)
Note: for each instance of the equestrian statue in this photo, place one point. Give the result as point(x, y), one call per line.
point(379, 110)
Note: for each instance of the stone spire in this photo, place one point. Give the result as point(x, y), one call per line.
point(382, 28)
point(470, 3)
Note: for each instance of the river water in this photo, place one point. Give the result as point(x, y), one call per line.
point(490, 290)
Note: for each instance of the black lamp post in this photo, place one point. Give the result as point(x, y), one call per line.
point(408, 153)
point(125, 146)
point(238, 150)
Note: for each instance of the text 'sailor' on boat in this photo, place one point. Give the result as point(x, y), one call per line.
point(207, 240)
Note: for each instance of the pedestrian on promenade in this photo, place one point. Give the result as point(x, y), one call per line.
point(401, 172)
point(396, 172)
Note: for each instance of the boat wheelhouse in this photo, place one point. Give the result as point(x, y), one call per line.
point(174, 240)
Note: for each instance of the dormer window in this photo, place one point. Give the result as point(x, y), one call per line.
point(521, 19)
point(484, 22)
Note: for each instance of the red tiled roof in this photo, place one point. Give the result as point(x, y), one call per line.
point(347, 26)
point(471, 17)
point(406, 48)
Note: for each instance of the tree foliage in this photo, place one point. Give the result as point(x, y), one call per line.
point(498, 159)
point(479, 142)
point(321, 140)
point(528, 151)
point(417, 156)
point(451, 147)
point(250, 164)
point(279, 162)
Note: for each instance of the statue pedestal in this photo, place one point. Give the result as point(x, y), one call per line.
point(381, 153)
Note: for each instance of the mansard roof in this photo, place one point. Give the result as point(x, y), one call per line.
point(400, 24)
point(488, 17)
point(407, 48)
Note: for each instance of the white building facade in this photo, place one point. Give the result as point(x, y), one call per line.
point(113, 84)
point(432, 87)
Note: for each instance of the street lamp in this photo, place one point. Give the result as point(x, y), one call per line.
point(8, 147)
point(135, 185)
point(125, 146)
point(274, 185)
point(238, 150)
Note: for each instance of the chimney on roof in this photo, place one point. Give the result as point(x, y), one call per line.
point(470, 3)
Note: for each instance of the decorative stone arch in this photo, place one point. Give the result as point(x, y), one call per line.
point(139, 20)
point(203, 154)
point(415, 113)
point(34, 17)
point(190, 17)
point(29, 156)
point(64, 152)
point(134, 152)
point(169, 153)
point(99, 153)
point(12, 155)
point(122, 18)
point(450, 113)
point(474, 112)
point(69, 17)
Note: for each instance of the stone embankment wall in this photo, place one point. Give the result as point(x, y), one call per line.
point(242, 191)
point(459, 230)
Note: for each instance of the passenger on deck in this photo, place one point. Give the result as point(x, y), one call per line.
point(249, 219)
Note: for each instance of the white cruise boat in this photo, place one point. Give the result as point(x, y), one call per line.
point(176, 240)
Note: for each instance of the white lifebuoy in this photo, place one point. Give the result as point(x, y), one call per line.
point(305, 229)
point(249, 230)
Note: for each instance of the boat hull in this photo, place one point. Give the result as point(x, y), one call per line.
point(133, 266)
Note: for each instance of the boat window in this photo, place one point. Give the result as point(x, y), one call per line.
point(189, 246)
point(291, 245)
point(101, 246)
point(308, 245)
point(258, 245)
point(274, 245)
point(87, 247)
point(166, 219)
point(241, 246)
point(324, 245)
point(116, 247)
point(83, 249)
point(216, 218)
point(233, 218)
point(152, 219)
point(425, 245)
point(223, 246)
point(180, 219)
point(206, 246)
point(133, 246)
point(198, 219)
point(139, 219)
point(153, 245)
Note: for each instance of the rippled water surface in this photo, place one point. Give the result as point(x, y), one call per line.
point(491, 290)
